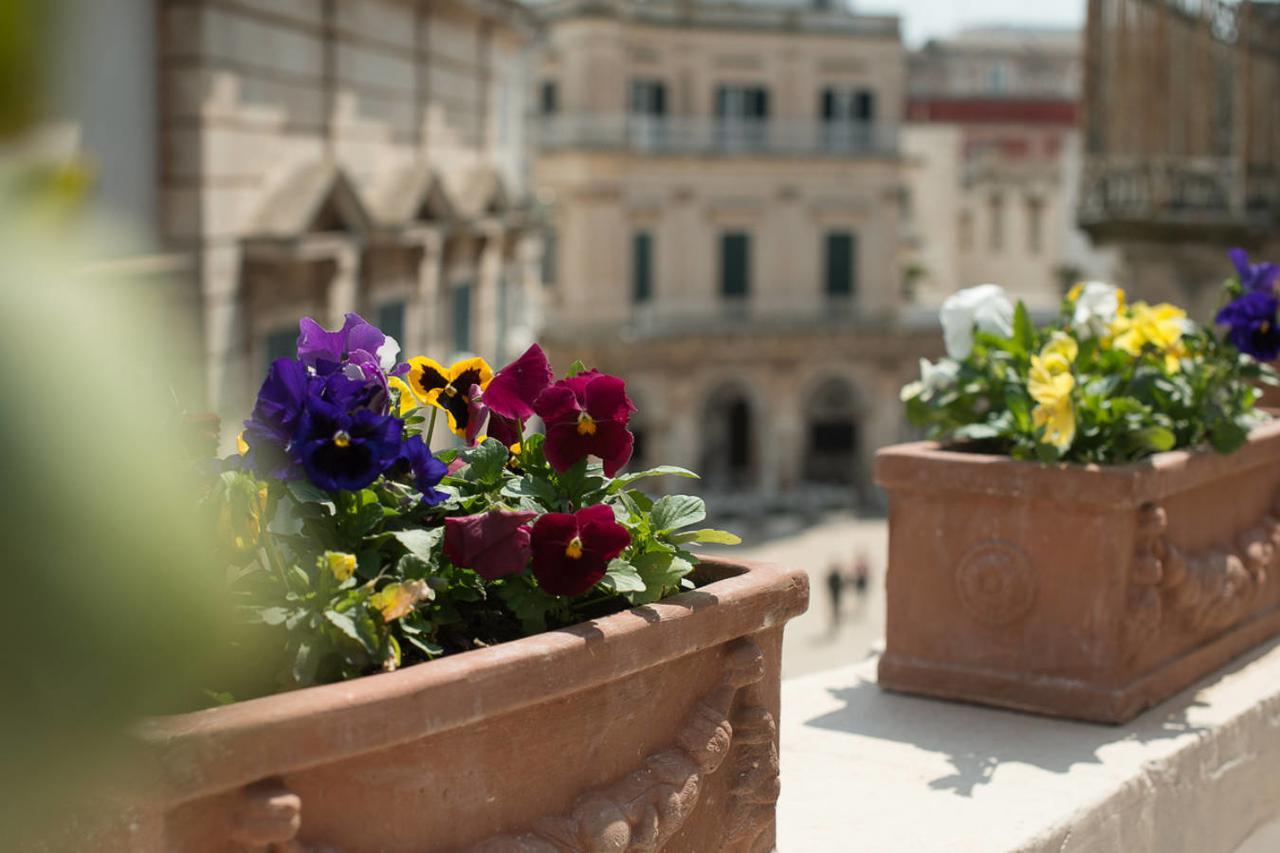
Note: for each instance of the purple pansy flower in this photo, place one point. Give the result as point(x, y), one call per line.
point(270, 427)
point(317, 345)
point(425, 470)
point(345, 450)
point(1251, 324)
point(1254, 278)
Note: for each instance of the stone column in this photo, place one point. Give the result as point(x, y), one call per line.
point(422, 327)
point(344, 287)
point(484, 320)
point(225, 329)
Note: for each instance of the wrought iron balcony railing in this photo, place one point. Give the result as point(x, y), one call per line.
point(705, 135)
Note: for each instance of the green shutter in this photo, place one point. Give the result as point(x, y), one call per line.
point(462, 317)
point(390, 319)
point(641, 267)
point(735, 264)
point(841, 255)
point(282, 343)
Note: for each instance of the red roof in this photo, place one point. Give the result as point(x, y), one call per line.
point(994, 110)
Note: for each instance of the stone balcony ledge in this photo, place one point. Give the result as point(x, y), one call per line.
point(863, 769)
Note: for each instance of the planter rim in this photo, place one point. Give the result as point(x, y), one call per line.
point(187, 756)
point(925, 466)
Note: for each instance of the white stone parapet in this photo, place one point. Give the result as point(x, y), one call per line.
point(867, 770)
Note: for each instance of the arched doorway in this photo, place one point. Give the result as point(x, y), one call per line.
point(729, 453)
point(833, 440)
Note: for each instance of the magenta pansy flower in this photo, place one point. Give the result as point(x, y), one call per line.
point(572, 551)
point(492, 544)
point(516, 387)
point(587, 415)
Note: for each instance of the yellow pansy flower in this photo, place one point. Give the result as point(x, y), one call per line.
point(1050, 384)
point(398, 600)
point(1159, 326)
point(408, 400)
point(449, 388)
point(1059, 422)
point(242, 446)
point(341, 564)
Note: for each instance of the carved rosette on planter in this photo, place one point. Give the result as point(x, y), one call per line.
point(1077, 591)
point(647, 730)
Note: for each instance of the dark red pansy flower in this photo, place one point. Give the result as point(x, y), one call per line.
point(586, 415)
point(516, 387)
point(493, 544)
point(572, 552)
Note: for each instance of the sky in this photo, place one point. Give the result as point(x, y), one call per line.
point(926, 19)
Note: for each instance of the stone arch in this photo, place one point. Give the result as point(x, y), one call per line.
point(833, 414)
point(729, 458)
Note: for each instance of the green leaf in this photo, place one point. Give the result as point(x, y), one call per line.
point(621, 576)
point(486, 461)
point(1155, 438)
point(1024, 332)
point(977, 432)
point(660, 573)
point(345, 622)
point(420, 543)
point(576, 368)
point(413, 567)
point(708, 536)
point(675, 511)
point(528, 603)
point(623, 480)
point(1227, 436)
point(305, 492)
point(580, 481)
point(286, 521)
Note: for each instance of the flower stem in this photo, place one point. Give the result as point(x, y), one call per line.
point(431, 427)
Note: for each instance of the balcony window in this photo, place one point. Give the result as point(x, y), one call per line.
point(735, 265)
point(462, 317)
point(742, 113)
point(841, 264)
point(280, 343)
point(390, 319)
point(641, 267)
point(847, 118)
point(648, 98)
point(550, 260)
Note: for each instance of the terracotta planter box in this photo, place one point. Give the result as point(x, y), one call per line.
point(1077, 591)
point(651, 729)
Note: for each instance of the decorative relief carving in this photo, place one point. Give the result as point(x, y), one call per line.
point(1202, 592)
point(642, 811)
point(730, 726)
point(996, 582)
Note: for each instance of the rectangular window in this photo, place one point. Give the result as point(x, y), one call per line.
point(735, 264)
point(550, 261)
point(841, 263)
point(648, 97)
point(997, 223)
point(281, 343)
point(1035, 225)
point(549, 97)
point(390, 319)
point(641, 267)
point(848, 105)
point(735, 102)
point(462, 317)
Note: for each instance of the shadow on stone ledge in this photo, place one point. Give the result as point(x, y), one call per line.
point(977, 740)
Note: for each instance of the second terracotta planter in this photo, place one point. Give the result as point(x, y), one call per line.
point(1077, 591)
point(651, 729)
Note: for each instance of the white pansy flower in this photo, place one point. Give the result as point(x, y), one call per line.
point(1096, 306)
point(986, 307)
point(387, 353)
point(934, 379)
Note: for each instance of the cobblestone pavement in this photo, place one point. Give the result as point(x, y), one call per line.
point(811, 644)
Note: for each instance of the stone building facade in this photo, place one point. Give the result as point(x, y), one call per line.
point(319, 157)
point(724, 187)
point(994, 151)
point(1182, 141)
